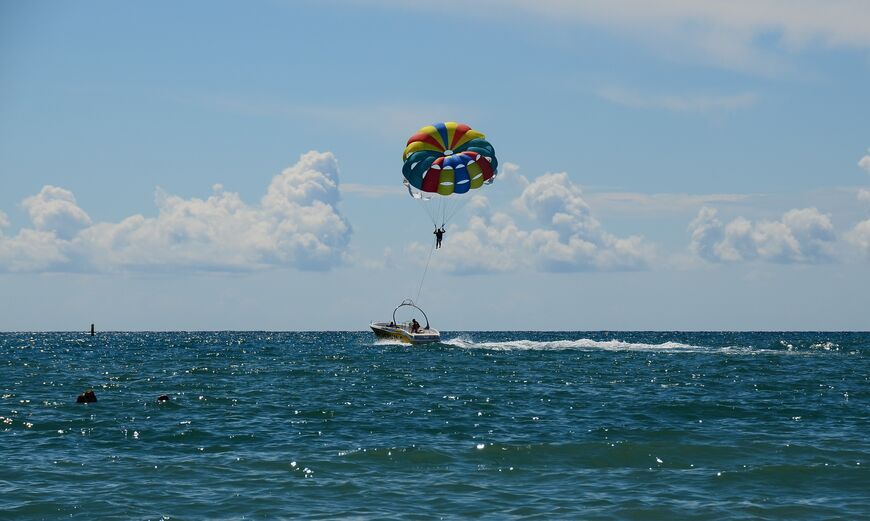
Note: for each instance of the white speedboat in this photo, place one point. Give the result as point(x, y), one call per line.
point(407, 332)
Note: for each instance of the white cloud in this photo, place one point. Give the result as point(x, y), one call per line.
point(4, 222)
point(297, 223)
point(707, 232)
point(677, 103)
point(569, 238)
point(864, 162)
point(737, 34)
point(863, 193)
point(831, 22)
point(55, 210)
point(859, 236)
point(32, 250)
point(801, 236)
point(510, 172)
point(490, 243)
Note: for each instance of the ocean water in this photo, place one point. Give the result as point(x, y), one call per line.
point(524, 425)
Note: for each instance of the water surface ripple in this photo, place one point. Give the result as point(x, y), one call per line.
point(324, 425)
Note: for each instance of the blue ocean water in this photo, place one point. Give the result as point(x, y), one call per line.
point(531, 425)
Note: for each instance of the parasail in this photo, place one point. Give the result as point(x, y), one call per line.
point(446, 159)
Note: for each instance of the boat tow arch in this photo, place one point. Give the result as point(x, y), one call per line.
point(410, 303)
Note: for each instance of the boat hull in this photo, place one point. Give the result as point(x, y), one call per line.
point(425, 336)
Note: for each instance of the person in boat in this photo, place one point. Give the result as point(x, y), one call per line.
point(439, 234)
point(415, 326)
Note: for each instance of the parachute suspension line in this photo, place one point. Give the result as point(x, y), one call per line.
point(449, 203)
point(459, 205)
point(447, 209)
point(429, 211)
point(442, 209)
point(425, 271)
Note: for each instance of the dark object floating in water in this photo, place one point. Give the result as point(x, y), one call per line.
point(163, 398)
point(88, 396)
point(92, 330)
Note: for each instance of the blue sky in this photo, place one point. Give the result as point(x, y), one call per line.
point(220, 165)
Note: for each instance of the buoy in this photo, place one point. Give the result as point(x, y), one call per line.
point(92, 330)
point(88, 396)
point(163, 398)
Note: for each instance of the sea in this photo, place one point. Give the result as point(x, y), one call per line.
point(485, 425)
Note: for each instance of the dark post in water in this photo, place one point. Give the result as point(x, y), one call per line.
point(92, 330)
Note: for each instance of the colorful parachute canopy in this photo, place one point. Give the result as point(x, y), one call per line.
point(449, 158)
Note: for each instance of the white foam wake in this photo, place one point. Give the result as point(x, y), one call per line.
point(465, 342)
point(389, 342)
point(582, 343)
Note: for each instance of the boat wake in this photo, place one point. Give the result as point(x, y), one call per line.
point(588, 344)
point(582, 344)
point(389, 342)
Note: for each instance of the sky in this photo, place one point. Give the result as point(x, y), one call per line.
point(215, 165)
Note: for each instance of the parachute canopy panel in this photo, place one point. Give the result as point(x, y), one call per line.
point(448, 158)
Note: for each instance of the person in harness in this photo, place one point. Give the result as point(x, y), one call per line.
point(439, 234)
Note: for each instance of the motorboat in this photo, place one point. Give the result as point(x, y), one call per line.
point(405, 331)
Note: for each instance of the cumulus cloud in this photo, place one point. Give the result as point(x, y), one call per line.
point(864, 162)
point(32, 250)
point(55, 209)
point(297, 223)
point(800, 236)
point(859, 237)
point(568, 238)
point(510, 173)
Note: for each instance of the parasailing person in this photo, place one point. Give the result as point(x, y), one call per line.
point(439, 235)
